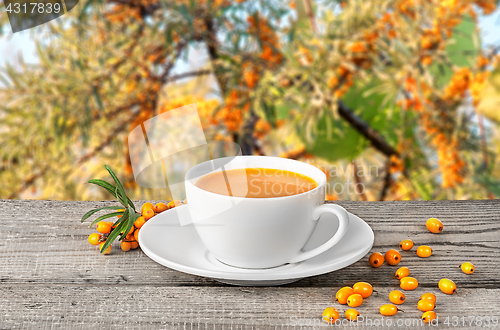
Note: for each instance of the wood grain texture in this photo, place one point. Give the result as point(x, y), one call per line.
point(50, 277)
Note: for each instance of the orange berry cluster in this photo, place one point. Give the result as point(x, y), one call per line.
point(237, 101)
point(354, 296)
point(131, 241)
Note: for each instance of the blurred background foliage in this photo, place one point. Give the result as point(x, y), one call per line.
point(394, 99)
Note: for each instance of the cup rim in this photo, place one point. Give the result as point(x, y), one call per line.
point(188, 181)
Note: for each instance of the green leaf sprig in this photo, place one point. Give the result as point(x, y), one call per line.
point(127, 210)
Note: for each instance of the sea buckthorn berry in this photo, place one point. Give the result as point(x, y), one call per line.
point(148, 214)
point(424, 251)
point(392, 257)
point(147, 206)
point(408, 283)
point(173, 203)
point(427, 317)
point(434, 225)
point(134, 245)
point(447, 286)
point(131, 231)
point(343, 294)
point(428, 296)
point(342, 289)
point(425, 305)
point(376, 259)
point(330, 315)
point(354, 300)
point(107, 251)
point(160, 207)
point(103, 227)
point(388, 309)
point(467, 268)
point(406, 244)
point(397, 297)
point(351, 314)
point(139, 222)
point(130, 238)
point(362, 288)
point(94, 238)
point(125, 245)
point(402, 272)
point(136, 235)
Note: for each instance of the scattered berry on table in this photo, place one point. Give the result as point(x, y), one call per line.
point(343, 294)
point(406, 244)
point(424, 251)
point(434, 225)
point(447, 286)
point(467, 268)
point(363, 288)
point(428, 296)
point(408, 283)
point(388, 309)
point(425, 305)
point(402, 272)
point(376, 259)
point(355, 300)
point(427, 317)
point(330, 315)
point(392, 257)
point(397, 297)
point(351, 314)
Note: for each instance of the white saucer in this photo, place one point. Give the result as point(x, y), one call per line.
point(178, 247)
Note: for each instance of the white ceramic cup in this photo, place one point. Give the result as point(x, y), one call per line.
point(260, 232)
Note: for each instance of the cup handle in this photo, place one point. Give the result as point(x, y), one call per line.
point(343, 217)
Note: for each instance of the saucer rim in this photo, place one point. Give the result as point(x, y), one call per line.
point(250, 274)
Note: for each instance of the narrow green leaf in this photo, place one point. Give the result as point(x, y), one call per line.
point(89, 213)
point(131, 219)
point(120, 187)
point(120, 198)
point(97, 98)
point(106, 216)
point(106, 185)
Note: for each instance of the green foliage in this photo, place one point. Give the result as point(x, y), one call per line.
point(334, 139)
point(461, 51)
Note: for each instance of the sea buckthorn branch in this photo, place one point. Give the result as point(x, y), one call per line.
point(127, 212)
point(372, 135)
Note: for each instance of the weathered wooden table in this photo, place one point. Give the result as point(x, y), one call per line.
point(50, 277)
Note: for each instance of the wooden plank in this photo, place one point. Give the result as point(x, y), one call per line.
point(44, 242)
point(145, 306)
point(50, 277)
